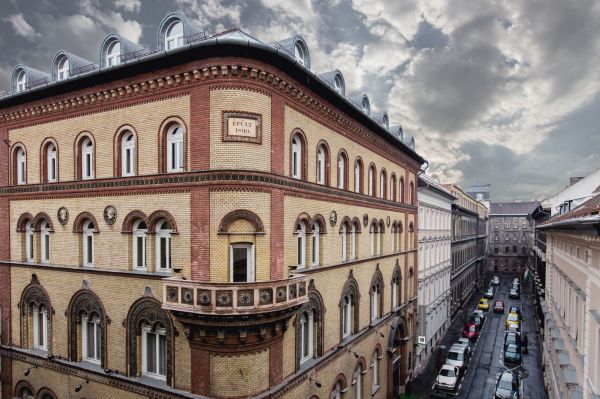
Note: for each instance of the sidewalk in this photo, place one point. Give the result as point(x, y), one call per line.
point(421, 385)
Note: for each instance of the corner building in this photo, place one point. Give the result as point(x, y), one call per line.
point(211, 220)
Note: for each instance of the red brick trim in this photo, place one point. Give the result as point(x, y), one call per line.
point(276, 363)
point(200, 370)
point(341, 379)
point(320, 220)
point(303, 218)
point(361, 183)
point(157, 216)
point(277, 232)
point(130, 220)
point(44, 159)
point(43, 393)
point(81, 219)
point(199, 132)
point(241, 214)
point(277, 134)
point(22, 222)
point(346, 221)
point(22, 384)
point(200, 241)
point(357, 224)
point(39, 218)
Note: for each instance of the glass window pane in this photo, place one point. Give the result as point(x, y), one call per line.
point(151, 352)
point(240, 264)
point(140, 251)
point(97, 341)
point(163, 252)
point(162, 354)
point(90, 348)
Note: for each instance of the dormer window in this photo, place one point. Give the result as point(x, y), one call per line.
point(299, 53)
point(174, 35)
point(386, 122)
point(113, 53)
point(365, 105)
point(338, 84)
point(62, 69)
point(21, 81)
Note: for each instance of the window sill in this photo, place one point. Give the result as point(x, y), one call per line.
point(375, 389)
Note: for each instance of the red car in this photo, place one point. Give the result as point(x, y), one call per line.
point(499, 307)
point(471, 331)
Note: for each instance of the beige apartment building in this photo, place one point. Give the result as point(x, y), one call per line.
point(207, 219)
point(572, 308)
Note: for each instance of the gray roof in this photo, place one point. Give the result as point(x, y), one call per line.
point(236, 34)
point(77, 64)
point(357, 100)
point(329, 77)
point(512, 208)
point(382, 118)
point(34, 76)
point(129, 49)
point(397, 131)
point(288, 46)
point(410, 141)
point(191, 31)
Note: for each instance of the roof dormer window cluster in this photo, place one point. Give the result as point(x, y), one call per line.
point(113, 53)
point(174, 35)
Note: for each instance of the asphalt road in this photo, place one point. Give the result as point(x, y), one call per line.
point(479, 380)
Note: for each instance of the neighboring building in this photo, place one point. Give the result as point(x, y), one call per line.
point(480, 192)
point(537, 259)
point(578, 191)
point(572, 309)
point(468, 249)
point(215, 221)
point(435, 233)
point(511, 236)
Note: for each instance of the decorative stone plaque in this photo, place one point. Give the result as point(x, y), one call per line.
point(388, 221)
point(110, 214)
point(333, 218)
point(365, 220)
point(62, 215)
point(242, 126)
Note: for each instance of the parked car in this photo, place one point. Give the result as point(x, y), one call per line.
point(513, 319)
point(458, 356)
point(514, 294)
point(483, 304)
point(489, 293)
point(512, 354)
point(512, 338)
point(471, 331)
point(515, 309)
point(495, 280)
point(465, 341)
point(499, 307)
point(508, 386)
point(447, 378)
point(514, 328)
point(477, 320)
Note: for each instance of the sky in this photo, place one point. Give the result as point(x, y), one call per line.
point(503, 92)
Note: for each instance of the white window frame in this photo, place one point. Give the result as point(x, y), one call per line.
point(337, 84)
point(374, 304)
point(372, 234)
point(346, 317)
point(344, 235)
point(94, 357)
point(371, 181)
point(29, 243)
point(358, 383)
point(321, 165)
point(353, 241)
point(379, 240)
point(44, 328)
point(173, 41)
point(87, 159)
point(139, 237)
point(306, 328)
point(250, 272)
point(337, 392)
point(301, 242)
point(382, 185)
point(357, 177)
point(128, 143)
point(316, 245)
point(175, 149)
point(296, 157)
point(88, 243)
point(299, 53)
point(45, 243)
point(113, 53)
point(51, 163)
point(341, 172)
point(162, 233)
point(21, 81)
point(375, 366)
point(147, 331)
point(62, 68)
point(365, 106)
point(394, 294)
point(21, 166)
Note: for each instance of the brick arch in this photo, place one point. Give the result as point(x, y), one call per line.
point(411, 227)
point(13, 162)
point(39, 219)
point(80, 221)
point(378, 350)
point(303, 217)
point(375, 224)
point(360, 362)
point(20, 386)
point(357, 224)
point(77, 151)
point(341, 379)
point(130, 220)
point(382, 225)
point(400, 227)
point(393, 187)
point(46, 392)
point(44, 159)
point(34, 295)
point(117, 155)
point(394, 227)
point(361, 164)
point(149, 310)
point(22, 222)
point(384, 189)
point(162, 139)
point(244, 214)
point(346, 221)
point(320, 220)
point(85, 301)
point(303, 152)
point(377, 283)
point(157, 216)
point(325, 145)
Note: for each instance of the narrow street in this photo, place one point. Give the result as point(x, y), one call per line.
point(485, 365)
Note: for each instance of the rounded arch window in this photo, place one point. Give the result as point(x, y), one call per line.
point(163, 246)
point(175, 148)
point(62, 68)
point(174, 35)
point(128, 153)
point(365, 105)
point(51, 163)
point(87, 158)
point(338, 85)
point(113, 53)
point(88, 243)
point(299, 53)
point(21, 162)
point(140, 230)
point(297, 157)
point(21, 81)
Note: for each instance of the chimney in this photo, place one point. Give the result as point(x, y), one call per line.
point(574, 180)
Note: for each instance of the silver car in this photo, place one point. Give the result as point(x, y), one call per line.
point(458, 356)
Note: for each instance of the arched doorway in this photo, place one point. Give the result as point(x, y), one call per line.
point(399, 355)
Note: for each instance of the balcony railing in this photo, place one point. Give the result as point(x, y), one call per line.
point(233, 298)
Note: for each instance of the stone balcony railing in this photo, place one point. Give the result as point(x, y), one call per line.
point(207, 298)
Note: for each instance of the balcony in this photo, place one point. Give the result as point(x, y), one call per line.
point(205, 298)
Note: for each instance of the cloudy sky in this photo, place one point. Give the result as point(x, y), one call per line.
point(505, 92)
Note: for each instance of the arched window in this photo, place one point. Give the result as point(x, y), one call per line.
point(316, 243)
point(306, 336)
point(336, 392)
point(411, 236)
point(29, 250)
point(36, 317)
point(373, 235)
point(396, 285)
point(128, 153)
point(297, 161)
point(375, 303)
point(342, 171)
point(51, 163)
point(380, 231)
point(411, 193)
point(21, 81)
point(20, 166)
point(175, 149)
point(337, 84)
point(174, 35)
point(87, 158)
point(322, 161)
point(401, 189)
point(358, 173)
point(45, 242)
point(353, 241)
point(344, 238)
point(87, 328)
point(347, 316)
point(88, 243)
point(309, 328)
point(62, 68)
point(113, 53)
point(357, 382)
point(163, 246)
point(393, 187)
point(140, 230)
point(375, 368)
point(376, 294)
point(383, 184)
point(371, 180)
point(301, 237)
point(40, 327)
point(299, 53)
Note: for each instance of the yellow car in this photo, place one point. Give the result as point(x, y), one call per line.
point(483, 304)
point(513, 319)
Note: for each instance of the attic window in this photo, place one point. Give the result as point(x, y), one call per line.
point(62, 68)
point(365, 105)
point(299, 53)
point(174, 35)
point(338, 84)
point(21, 81)
point(113, 53)
point(386, 121)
